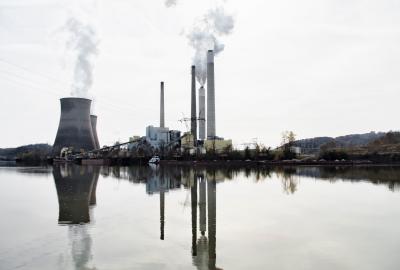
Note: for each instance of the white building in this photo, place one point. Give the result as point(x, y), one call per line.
point(161, 136)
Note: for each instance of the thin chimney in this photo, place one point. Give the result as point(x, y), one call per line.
point(193, 122)
point(202, 113)
point(162, 114)
point(211, 133)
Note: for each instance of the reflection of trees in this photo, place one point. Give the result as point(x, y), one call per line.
point(379, 175)
point(289, 179)
point(389, 176)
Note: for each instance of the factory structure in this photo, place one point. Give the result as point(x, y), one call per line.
point(197, 140)
point(77, 131)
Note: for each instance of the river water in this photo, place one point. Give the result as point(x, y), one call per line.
point(75, 217)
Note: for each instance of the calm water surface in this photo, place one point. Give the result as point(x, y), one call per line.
point(71, 217)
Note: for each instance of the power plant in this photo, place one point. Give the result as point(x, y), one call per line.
point(75, 129)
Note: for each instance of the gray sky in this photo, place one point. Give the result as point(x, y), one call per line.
point(317, 67)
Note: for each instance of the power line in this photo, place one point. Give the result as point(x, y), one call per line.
point(123, 107)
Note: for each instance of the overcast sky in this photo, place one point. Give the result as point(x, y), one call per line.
point(317, 67)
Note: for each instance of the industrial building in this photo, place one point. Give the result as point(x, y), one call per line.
point(218, 145)
point(160, 137)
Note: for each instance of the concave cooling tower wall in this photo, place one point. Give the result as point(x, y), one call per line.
point(75, 128)
point(93, 120)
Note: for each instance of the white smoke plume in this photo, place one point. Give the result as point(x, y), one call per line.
point(170, 3)
point(205, 35)
point(83, 42)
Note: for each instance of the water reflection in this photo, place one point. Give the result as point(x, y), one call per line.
point(76, 191)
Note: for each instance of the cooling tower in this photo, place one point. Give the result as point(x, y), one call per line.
point(193, 120)
point(75, 128)
point(162, 114)
point(93, 121)
point(210, 96)
point(202, 113)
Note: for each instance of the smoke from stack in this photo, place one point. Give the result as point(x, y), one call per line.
point(211, 133)
point(193, 122)
point(83, 42)
point(205, 35)
point(162, 114)
point(202, 113)
point(170, 3)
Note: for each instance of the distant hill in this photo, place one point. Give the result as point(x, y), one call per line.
point(31, 149)
point(389, 138)
point(315, 145)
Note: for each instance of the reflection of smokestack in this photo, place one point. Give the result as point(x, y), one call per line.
point(193, 122)
point(75, 128)
point(210, 96)
point(202, 113)
point(162, 214)
point(93, 121)
point(193, 196)
point(162, 115)
point(202, 206)
point(212, 220)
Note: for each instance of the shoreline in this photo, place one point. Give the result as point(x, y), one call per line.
point(209, 163)
point(253, 163)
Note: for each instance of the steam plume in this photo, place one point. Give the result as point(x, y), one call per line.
point(205, 36)
point(170, 3)
point(83, 42)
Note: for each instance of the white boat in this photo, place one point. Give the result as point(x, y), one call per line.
point(154, 160)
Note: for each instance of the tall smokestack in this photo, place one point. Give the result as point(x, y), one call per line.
point(162, 115)
point(210, 96)
point(75, 128)
point(202, 113)
point(193, 122)
point(93, 121)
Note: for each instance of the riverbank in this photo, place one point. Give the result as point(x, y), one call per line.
point(246, 163)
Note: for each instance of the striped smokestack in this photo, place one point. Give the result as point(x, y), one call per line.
point(162, 115)
point(193, 122)
point(210, 96)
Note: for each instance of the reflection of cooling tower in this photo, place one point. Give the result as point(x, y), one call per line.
point(74, 186)
point(202, 113)
point(210, 96)
point(93, 121)
point(75, 129)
